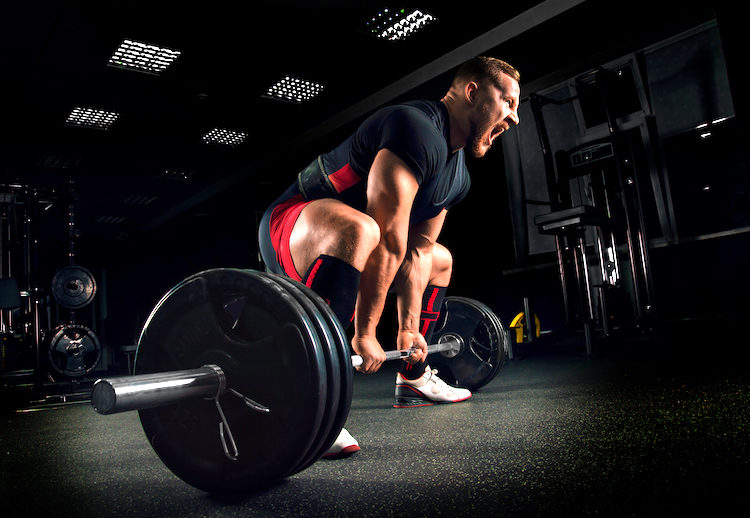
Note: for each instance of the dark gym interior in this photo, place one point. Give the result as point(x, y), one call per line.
point(609, 232)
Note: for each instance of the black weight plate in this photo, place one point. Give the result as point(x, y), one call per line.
point(346, 377)
point(332, 367)
point(496, 344)
point(342, 351)
point(322, 341)
point(487, 347)
point(74, 350)
point(484, 349)
point(506, 337)
point(267, 346)
point(498, 329)
point(73, 287)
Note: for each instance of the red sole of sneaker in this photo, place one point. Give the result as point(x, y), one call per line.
point(396, 405)
point(343, 453)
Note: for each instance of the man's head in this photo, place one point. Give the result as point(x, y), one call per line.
point(483, 102)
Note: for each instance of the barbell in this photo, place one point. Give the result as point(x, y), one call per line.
point(244, 378)
point(126, 393)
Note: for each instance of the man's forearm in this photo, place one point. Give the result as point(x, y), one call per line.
point(411, 281)
point(375, 282)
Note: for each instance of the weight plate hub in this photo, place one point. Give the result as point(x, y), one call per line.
point(73, 287)
point(74, 350)
point(270, 351)
point(484, 346)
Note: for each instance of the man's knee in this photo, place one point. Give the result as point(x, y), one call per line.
point(442, 265)
point(362, 231)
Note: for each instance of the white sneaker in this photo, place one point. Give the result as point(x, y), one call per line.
point(343, 446)
point(427, 390)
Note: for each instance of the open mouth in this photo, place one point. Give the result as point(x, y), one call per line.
point(496, 131)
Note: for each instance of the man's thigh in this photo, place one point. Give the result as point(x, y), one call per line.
point(328, 226)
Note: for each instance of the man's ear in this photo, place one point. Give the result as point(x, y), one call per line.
point(470, 91)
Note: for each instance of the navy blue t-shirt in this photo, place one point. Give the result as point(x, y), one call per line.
point(416, 132)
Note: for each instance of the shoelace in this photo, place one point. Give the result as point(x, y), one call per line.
point(439, 381)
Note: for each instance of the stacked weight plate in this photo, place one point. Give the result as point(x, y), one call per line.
point(73, 287)
point(277, 348)
point(74, 350)
point(338, 365)
point(485, 346)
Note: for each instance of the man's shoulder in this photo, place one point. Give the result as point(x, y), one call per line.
point(428, 111)
point(419, 121)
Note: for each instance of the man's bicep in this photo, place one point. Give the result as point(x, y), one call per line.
point(391, 189)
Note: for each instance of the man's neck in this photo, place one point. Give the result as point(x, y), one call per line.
point(455, 133)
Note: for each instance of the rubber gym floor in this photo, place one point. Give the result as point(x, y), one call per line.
point(637, 429)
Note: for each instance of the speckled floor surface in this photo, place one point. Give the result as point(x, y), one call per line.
point(556, 435)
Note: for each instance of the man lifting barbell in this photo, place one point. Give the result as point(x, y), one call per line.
point(216, 354)
point(364, 219)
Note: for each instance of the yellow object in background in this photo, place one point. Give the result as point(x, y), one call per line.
point(519, 324)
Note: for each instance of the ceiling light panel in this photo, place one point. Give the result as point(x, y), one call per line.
point(224, 137)
point(294, 90)
point(91, 118)
point(397, 24)
point(143, 57)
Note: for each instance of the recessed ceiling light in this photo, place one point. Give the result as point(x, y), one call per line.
point(396, 24)
point(143, 57)
point(294, 90)
point(91, 118)
point(224, 137)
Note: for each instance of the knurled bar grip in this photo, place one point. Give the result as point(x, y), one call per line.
point(125, 393)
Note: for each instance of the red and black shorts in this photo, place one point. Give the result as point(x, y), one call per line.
point(279, 219)
point(276, 228)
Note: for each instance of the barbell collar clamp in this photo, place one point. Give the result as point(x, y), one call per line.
point(253, 405)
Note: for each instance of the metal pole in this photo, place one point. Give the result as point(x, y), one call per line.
point(113, 395)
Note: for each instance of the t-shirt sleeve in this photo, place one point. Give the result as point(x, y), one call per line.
point(411, 136)
point(462, 192)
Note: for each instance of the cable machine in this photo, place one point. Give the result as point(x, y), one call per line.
point(596, 214)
